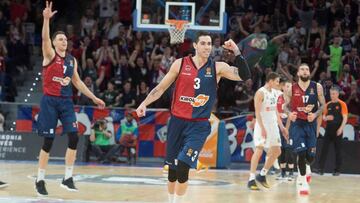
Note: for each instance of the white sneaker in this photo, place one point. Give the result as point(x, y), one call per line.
point(302, 185)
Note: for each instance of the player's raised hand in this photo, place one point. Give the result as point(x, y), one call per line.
point(47, 12)
point(100, 103)
point(230, 45)
point(141, 110)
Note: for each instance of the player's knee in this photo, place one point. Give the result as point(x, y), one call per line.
point(172, 175)
point(73, 140)
point(182, 172)
point(47, 144)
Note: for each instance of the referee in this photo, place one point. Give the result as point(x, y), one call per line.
point(335, 115)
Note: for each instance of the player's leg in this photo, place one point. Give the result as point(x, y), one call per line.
point(173, 145)
point(290, 161)
point(311, 140)
point(47, 121)
point(259, 142)
point(282, 163)
point(195, 135)
point(274, 143)
point(68, 119)
point(338, 159)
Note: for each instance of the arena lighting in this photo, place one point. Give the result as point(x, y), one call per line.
point(36, 79)
point(25, 100)
point(34, 84)
point(39, 73)
point(28, 95)
point(12, 129)
point(31, 89)
point(14, 123)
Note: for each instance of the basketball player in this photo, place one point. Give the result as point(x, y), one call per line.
point(196, 79)
point(266, 131)
point(287, 156)
point(306, 101)
point(59, 71)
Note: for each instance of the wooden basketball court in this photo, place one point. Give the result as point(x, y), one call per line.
point(144, 184)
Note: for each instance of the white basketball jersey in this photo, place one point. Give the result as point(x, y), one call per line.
point(269, 105)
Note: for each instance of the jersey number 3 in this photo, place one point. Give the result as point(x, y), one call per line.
point(197, 83)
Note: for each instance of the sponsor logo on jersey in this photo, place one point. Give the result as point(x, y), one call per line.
point(307, 109)
point(197, 101)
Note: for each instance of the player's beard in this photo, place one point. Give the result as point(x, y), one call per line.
point(304, 78)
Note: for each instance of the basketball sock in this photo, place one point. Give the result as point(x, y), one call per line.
point(171, 198)
point(276, 164)
point(68, 172)
point(263, 172)
point(41, 175)
point(308, 169)
point(252, 176)
point(178, 198)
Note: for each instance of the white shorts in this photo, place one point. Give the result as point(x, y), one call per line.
point(272, 136)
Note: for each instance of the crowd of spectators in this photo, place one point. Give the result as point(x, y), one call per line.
point(121, 65)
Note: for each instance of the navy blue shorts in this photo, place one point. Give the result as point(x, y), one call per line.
point(53, 108)
point(302, 135)
point(185, 140)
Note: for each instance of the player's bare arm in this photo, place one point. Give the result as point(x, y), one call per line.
point(321, 99)
point(159, 90)
point(47, 50)
point(240, 71)
point(258, 99)
point(283, 129)
point(287, 108)
point(79, 84)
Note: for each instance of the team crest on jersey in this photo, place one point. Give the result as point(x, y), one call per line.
point(208, 72)
point(197, 101)
point(312, 91)
point(187, 68)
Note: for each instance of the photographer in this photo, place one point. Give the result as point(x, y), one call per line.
point(101, 144)
point(127, 136)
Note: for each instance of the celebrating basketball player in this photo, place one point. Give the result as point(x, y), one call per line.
point(266, 131)
point(196, 79)
point(59, 71)
point(304, 99)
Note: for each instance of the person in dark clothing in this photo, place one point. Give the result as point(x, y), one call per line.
point(335, 115)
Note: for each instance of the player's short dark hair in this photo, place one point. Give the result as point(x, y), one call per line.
point(200, 34)
point(272, 76)
point(303, 64)
point(284, 80)
point(57, 33)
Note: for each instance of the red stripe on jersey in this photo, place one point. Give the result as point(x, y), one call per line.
point(297, 101)
point(51, 73)
point(184, 89)
point(280, 103)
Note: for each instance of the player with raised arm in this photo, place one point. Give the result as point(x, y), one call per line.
point(59, 74)
point(195, 92)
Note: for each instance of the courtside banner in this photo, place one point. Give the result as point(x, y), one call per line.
point(26, 146)
point(152, 127)
point(209, 152)
point(240, 133)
